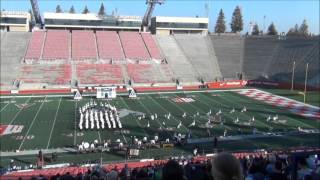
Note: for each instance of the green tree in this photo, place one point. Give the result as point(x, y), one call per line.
point(293, 31)
point(85, 10)
point(303, 29)
point(58, 9)
point(101, 10)
point(272, 29)
point(72, 11)
point(236, 22)
point(220, 24)
point(255, 30)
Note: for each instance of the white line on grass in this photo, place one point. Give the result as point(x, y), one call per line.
point(244, 114)
point(167, 111)
point(54, 122)
point(271, 109)
point(144, 131)
point(75, 124)
point(4, 107)
point(125, 139)
point(208, 105)
point(35, 117)
point(149, 112)
point(16, 115)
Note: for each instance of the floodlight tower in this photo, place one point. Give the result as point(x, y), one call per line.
point(147, 16)
point(36, 12)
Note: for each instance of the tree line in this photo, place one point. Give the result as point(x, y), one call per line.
point(237, 25)
point(220, 26)
point(85, 10)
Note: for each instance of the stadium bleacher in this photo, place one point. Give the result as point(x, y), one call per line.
point(109, 46)
point(299, 50)
point(38, 75)
point(176, 59)
point(84, 45)
point(202, 58)
point(133, 46)
point(151, 46)
point(142, 73)
point(228, 49)
point(258, 52)
point(35, 45)
point(13, 49)
point(56, 45)
point(98, 74)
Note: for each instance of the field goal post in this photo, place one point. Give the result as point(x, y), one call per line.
point(106, 92)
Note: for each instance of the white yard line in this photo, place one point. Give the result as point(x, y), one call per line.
point(93, 94)
point(16, 115)
point(75, 124)
point(281, 108)
point(54, 122)
point(124, 138)
point(4, 107)
point(99, 136)
point(144, 131)
point(35, 117)
point(168, 112)
point(206, 104)
point(149, 112)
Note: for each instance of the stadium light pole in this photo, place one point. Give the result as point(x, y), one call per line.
point(305, 84)
point(292, 78)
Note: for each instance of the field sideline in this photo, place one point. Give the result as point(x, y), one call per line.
point(51, 121)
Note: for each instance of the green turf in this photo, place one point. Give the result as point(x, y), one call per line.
point(51, 122)
point(312, 97)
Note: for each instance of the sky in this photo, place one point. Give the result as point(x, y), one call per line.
point(284, 13)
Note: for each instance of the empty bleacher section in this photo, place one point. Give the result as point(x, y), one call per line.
point(180, 65)
point(49, 75)
point(151, 46)
point(109, 46)
point(133, 46)
point(228, 50)
point(99, 74)
point(148, 73)
point(199, 54)
point(258, 53)
point(13, 49)
point(56, 46)
point(35, 46)
point(301, 51)
point(83, 45)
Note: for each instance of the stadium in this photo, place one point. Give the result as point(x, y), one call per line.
point(86, 93)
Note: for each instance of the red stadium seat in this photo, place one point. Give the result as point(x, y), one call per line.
point(56, 45)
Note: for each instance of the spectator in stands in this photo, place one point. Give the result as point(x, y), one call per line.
point(255, 171)
point(226, 167)
point(112, 175)
point(303, 169)
point(172, 171)
point(278, 172)
point(271, 162)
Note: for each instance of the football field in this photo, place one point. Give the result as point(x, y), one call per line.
point(51, 121)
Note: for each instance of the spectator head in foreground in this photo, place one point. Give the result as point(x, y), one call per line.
point(226, 167)
point(172, 170)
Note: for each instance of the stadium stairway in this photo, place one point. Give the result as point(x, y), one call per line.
point(13, 49)
point(228, 50)
point(176, 59)
point(200, 55)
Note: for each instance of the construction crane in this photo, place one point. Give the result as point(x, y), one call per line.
point(36, 12)
point(147, 16)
